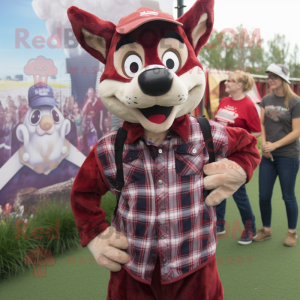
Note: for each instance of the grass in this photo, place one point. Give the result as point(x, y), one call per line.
point(52, 227)
point(272, 274)
point(16, 240)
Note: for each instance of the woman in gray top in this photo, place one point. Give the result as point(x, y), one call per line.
point(280, 124)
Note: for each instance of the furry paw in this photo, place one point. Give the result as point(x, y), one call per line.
point(107, 249)
point(224, 178)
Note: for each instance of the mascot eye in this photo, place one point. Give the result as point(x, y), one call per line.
point(55, 116)
point(132, 65)
point(35, 117)
point(171, 61)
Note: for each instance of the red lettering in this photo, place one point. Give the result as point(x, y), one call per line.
point(72, 71)
point(55, 38)
point(21, 39)
point(250, 42)
point(84, 70)
point(94, 70)
point(221, 38)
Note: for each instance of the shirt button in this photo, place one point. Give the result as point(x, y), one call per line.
point(194, 150)
point(160, 181)
point(159, 151)
point(162, 222)
point(165, 261)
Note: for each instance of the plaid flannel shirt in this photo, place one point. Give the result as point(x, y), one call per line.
point(161, 209)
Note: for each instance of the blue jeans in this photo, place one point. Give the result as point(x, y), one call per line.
point(242, 201)
point(286, 168)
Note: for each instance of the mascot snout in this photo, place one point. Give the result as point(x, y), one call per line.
point(155, 82)
point(46, 125)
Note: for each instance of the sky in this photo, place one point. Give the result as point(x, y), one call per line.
point(270, 16)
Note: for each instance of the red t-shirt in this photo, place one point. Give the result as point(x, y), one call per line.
point(241, 113)
point(93, 110)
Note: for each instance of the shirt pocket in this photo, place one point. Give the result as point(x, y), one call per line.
point(133, 167)
point(189, 158)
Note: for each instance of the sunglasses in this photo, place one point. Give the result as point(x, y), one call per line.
point(273, 77)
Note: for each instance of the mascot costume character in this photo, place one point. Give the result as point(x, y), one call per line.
point(162, 240)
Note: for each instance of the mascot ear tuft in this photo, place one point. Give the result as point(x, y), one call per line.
point(92, 33)
point(198, 23)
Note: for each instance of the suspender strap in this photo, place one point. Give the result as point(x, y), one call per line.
point(206, 130)
point(119, 144)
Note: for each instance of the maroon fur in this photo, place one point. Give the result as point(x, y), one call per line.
point(148, 35)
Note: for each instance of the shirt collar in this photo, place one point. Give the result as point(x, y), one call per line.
point(180, 125)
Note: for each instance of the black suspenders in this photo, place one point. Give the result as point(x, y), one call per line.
point(119, 144)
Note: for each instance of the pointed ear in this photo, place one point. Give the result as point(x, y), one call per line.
point(92, 33)
point(198, 23)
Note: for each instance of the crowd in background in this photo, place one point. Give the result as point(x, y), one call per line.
point(11, 113)
point(92, 120)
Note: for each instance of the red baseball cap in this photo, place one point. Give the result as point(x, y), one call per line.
point(142, 16)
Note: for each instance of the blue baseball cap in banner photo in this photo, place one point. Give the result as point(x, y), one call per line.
point(41, 94)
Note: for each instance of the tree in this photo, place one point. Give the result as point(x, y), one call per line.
point(294, 63)
point(278, 50)
point(226, 50)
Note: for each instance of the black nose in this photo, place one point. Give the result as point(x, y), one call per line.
point(155, 82)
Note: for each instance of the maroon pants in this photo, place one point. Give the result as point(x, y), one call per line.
point(204, 284)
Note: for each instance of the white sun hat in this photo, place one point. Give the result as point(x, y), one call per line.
point(282, 71)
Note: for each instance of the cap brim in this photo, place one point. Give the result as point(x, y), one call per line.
point(275, 72)
point(42, 101)
point(124, 29)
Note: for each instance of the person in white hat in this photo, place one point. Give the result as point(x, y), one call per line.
point(280, 123)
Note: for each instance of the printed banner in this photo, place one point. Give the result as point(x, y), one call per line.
point(51, 114)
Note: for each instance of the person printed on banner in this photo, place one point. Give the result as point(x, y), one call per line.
point(9, 124)
point(65, 108)
point(280, 120)
point(19, 101)
point(57, 100)
point(107, 125)
point(77, 119)
point(93, 108)
point(13, 110)
point(23, 110)
point(2, 131)
point(89, 134)
point(237, 110)
point(70, 105)
point(8, 99)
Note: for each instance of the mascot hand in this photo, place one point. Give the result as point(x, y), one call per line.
point(224, 178)
point(106, 249)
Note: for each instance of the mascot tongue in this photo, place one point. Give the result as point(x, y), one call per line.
point(158, 119)
point(156, 114)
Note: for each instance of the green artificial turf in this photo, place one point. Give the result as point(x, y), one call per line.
point(272, 274)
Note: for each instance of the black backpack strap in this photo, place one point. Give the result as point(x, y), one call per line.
point(119, 144)
point(206, 130)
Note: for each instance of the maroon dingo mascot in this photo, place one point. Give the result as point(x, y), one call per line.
point(162, 241)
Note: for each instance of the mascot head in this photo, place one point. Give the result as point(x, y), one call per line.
point(152, 74)
point(43, 130)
